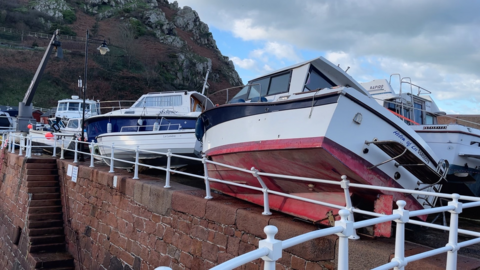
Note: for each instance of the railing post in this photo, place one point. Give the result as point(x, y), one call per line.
point(111, 158)
point(275, 247)
point(13, 143)
point(169, 162)
point(61, 148)
point(29, 147)
point(400, 235)
point(453, 234)
point(207, 183)
point(137, 157)
point(20, 151)
point(92, 153)
point(345, 184)
point(75, 159)
point(9, 142)
point(54, 145)
point(343, 238)
point(3, 140)
point(266, 203)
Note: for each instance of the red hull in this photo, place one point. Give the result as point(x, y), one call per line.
point(319, 158)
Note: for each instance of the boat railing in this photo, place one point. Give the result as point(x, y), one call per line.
point(154, 127)
point(227, 90)
point(270, 249)
point(113, 105)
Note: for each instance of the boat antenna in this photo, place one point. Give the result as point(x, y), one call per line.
point(205, 84)
point(347, 69)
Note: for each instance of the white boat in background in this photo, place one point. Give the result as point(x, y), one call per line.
point(313, 120)
point(73, 108)
point(155, 122)
point(458, 145)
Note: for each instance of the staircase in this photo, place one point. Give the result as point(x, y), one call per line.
point(45, 218)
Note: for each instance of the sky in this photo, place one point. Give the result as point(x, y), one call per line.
point(434, 42)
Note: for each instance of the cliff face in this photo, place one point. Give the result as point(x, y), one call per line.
point(155, 46)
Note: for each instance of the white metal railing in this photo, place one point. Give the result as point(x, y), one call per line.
point(137, 128)
point(270, 249)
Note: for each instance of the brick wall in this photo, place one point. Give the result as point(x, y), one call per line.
point(13, 206)
point(470, 120)
point(141, 225)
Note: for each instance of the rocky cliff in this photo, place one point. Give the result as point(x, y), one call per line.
point(155, 46)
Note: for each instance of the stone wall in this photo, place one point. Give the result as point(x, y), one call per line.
point(469, 120)
point(140, 225)
point(13, 208)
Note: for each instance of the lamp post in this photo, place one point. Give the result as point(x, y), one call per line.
point(103, 50)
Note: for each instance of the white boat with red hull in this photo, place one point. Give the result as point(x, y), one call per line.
point(313, 120)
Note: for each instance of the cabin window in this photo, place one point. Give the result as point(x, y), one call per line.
point(258, 88)
point(429, 119)
point(160, 101)
point(74, 107)
point(62, 107)
point(316, 81)
point(195, 105)
point(72, 124)
point(391, 106)
point(242, 94)
point(418, 112)
point(279, 84)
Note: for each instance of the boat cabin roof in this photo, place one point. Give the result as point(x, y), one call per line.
point(312, 75)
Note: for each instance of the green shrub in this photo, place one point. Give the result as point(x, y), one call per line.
point(69, 16)
point(64, 29)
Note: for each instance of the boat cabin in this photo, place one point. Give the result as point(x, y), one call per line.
point(164, 103)
point(73, 108)
point(413, 103)
point(305, 77)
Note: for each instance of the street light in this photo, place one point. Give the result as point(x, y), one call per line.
point(103, 50)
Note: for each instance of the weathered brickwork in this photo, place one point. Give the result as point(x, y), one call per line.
point(141, 225)
point(138, 224)
point(13, 206)
point(466, 120)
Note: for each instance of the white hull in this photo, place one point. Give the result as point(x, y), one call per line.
point(331, 121)
point(182, 142)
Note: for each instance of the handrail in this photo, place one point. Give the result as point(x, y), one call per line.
point(270, 249)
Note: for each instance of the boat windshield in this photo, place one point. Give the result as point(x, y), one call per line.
point(74, 106)
point(62, 107)
point(316, 80)
point(73, 123)
point(272, 85)
point(159, 101)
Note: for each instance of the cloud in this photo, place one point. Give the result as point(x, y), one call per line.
point(277, 50)
point(243, 63)
point(434, 42)
point(432, 31)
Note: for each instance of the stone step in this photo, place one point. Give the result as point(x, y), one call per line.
point(57, 268)
point(48, 202)
point(41, 166)
point(41, 160)
point(45, 196)
point(43, 189)
point(41, 172)
point(41, 224)
point(42, 184)
point(44, 209)
point(57, 260)
point(47, 248)
point(42, 178)
point(45, 216)
point(46, 231)
point(46, 239)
